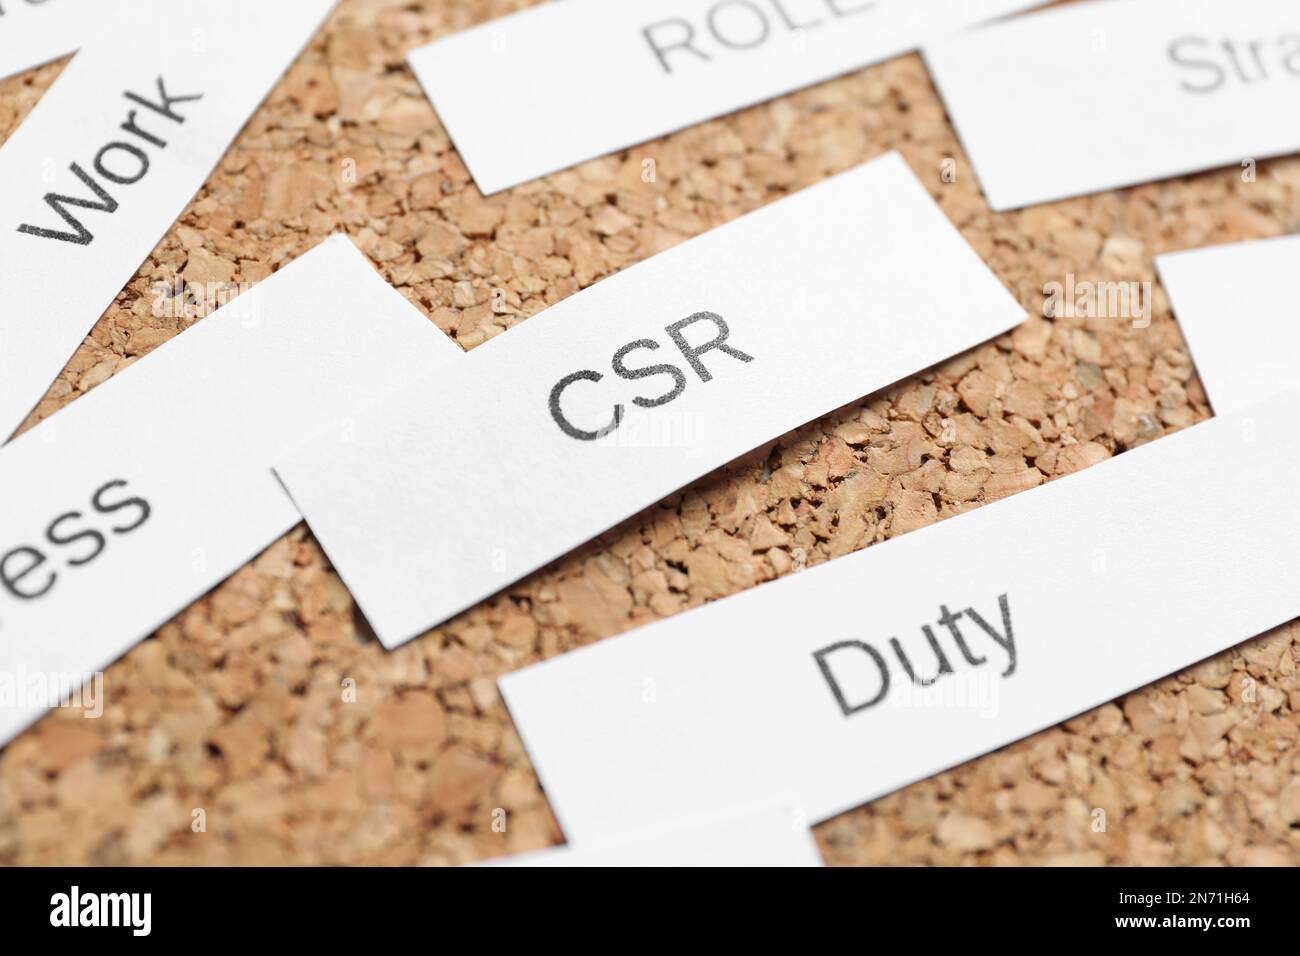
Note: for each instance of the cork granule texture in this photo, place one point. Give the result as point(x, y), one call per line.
point(240, 707)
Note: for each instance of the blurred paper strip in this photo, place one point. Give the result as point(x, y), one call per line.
point(772, 835)
point(561, 83)
point(1238, 309)
point(34, 32)
point(1110, 93)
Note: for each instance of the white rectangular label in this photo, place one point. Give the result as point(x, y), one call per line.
point(1236, 306)
point(630, 389)
point(575, 80)
point(33, 32)
point(110, 156)
point(136, 499)
point(1020, 614)
point(771, 835)
point(1110, 93)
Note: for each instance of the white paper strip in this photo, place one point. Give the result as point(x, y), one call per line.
point(1023, 613)
point(772, 835)
point(1236, 306)
point(139, 497)
point(627, 391)
point(1109, 93)
point(561, 83)
point(33, 32)
point(111, 155)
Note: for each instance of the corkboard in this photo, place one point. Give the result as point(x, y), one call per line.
point(235, 707)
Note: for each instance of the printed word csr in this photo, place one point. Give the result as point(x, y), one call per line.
point(690, 352)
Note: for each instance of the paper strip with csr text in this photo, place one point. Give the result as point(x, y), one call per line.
point(562, 83)
point(605, 403)
point(847, 681)
point(1108, 93)
point(1236, 306)
point(139, 497)
point(33, 32)
point(770, 835)
point(111, 155)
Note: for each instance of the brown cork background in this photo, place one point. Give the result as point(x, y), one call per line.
point(237, 707)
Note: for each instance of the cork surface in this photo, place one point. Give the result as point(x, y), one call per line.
point(267, 705)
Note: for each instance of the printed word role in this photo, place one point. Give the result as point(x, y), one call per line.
point(737, 25)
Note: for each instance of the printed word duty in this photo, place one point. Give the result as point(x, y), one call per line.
point(859, 674)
